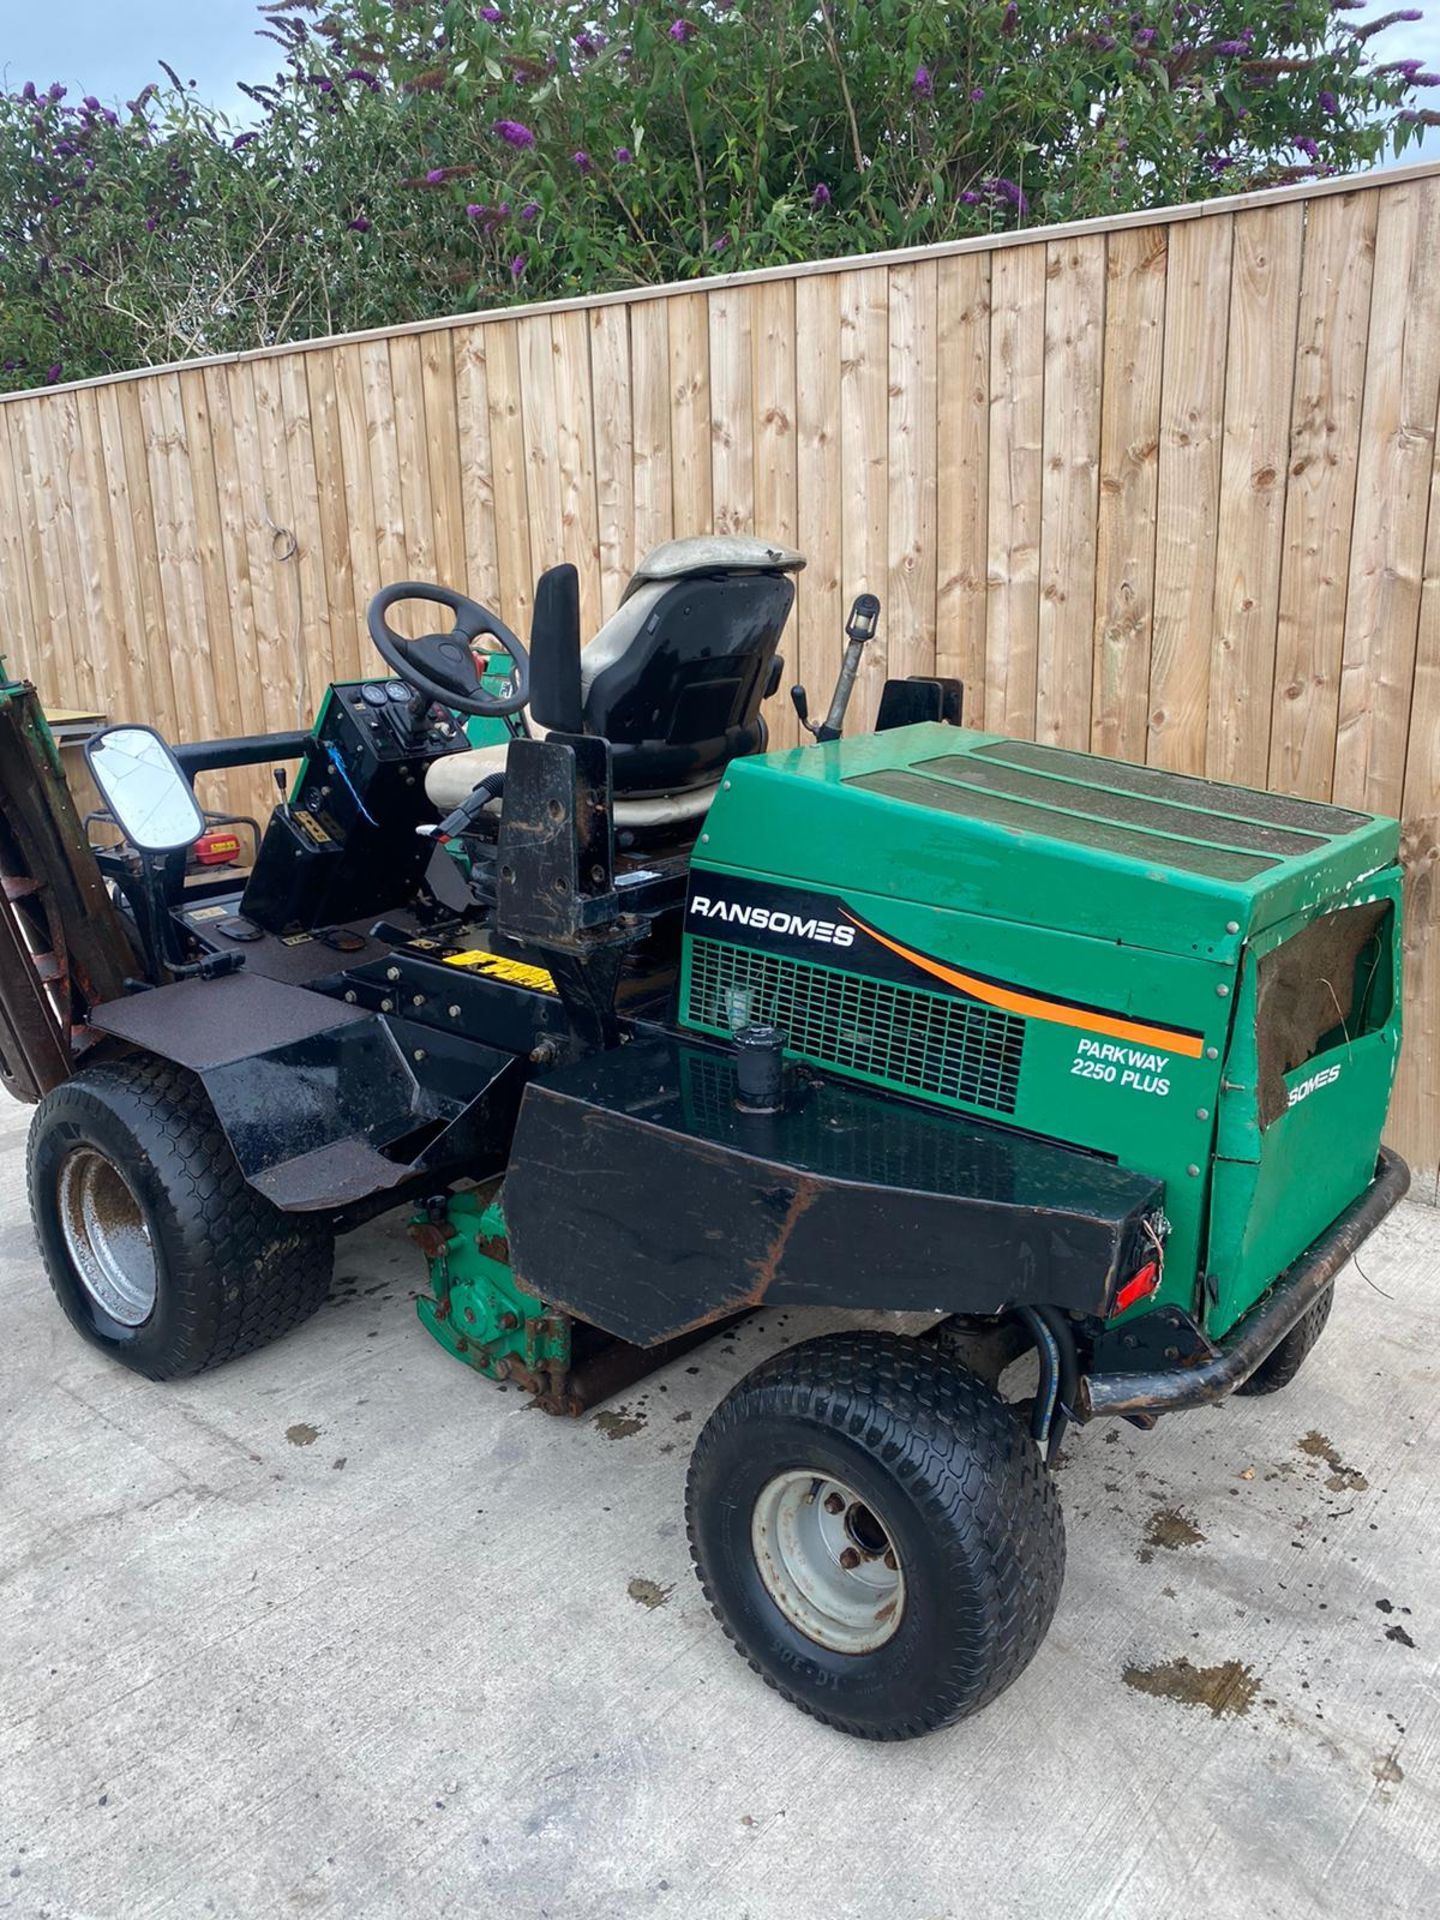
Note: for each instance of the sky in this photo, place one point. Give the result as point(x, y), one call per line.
point(110, 48)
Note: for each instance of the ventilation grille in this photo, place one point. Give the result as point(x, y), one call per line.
point(928, 1043)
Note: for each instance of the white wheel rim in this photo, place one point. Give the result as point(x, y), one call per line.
point(828, 1562)
point(106, 1236)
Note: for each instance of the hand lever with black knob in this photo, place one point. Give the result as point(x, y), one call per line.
point(860, 628)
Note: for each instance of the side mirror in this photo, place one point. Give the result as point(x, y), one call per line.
point(141, 783)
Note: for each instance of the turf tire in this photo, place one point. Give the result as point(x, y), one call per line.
point(232, 1272)
point(1282, 1363)
point(962, 1491)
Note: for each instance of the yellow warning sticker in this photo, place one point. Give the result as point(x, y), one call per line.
point(514, 973)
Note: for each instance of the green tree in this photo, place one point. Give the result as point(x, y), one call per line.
point(420, 157)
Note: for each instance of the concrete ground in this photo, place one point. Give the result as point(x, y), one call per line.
point(345, 1630)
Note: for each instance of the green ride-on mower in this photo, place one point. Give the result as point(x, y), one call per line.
point(1067, 1065)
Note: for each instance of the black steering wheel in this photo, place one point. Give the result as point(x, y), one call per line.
point(443, 666)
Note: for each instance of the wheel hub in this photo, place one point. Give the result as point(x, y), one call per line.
point(106, 1236)
point(828, 1562)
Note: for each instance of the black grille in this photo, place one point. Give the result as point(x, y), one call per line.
point(930, 1043)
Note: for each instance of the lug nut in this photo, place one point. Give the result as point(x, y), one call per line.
point(850, 1558)
point(835, 1503)
point(891, 1561)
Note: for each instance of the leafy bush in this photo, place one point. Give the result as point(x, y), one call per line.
point(414, 157)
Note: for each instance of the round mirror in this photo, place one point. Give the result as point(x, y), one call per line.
point(141, 783)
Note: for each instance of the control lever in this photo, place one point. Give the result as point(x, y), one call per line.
point(861, 627)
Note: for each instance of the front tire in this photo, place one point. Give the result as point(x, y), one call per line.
point(876, 1533)
point(159, 1251)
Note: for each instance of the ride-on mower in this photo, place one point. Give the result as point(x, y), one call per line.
point(1080, 1064)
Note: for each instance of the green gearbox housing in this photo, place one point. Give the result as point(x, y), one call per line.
point(478, 1311)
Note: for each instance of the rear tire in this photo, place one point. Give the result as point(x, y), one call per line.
point(1282, 1363)
point(957, 1546)
point(159, 1251)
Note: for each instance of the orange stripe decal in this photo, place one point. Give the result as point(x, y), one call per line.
point(1034, 1007)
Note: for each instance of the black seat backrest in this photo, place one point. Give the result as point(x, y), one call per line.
point(673, 680)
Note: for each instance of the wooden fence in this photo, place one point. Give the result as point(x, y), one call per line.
point(1158, 486)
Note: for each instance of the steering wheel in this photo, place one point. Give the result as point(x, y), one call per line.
point(443, 666)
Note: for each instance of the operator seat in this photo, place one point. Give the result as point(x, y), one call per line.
point(673, 680)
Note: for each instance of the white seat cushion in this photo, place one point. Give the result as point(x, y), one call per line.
point(454, 777)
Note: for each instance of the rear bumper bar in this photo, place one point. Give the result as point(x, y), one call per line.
point(1252, 1339)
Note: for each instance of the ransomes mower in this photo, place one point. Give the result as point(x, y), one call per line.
point(1075, 1069)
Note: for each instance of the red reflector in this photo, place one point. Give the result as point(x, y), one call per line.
point(1139, 1287)
point(217, 849)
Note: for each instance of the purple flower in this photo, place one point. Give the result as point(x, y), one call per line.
point(492, 14)
point(969, 199)
point(1409, 68)
point(475, 211)
point(922, 86)
point(55, 91)
point(1346, 6)
point(977, 94)
point(150, 223)
point(1426, 80)
point(52, 374)
point(27, 92)
point(514, 133)
point(243, 140)
point(581, 160)
point(1242, 45)
point(821, 196)
point(530, 211)
point(359, 224)
point(623, 156)
point(1011, 18)
point(1104, 42)
point(681, 31)
point(1329, 104)
point(365, 78)
point(435, 177)
point(1008, 191)
point(517, 268)
point(587, 45)
point(719, 246)
point(1308, 147)
point(90, 103)
point(1146, 34)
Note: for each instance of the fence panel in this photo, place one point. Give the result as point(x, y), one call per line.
point(1165, 486)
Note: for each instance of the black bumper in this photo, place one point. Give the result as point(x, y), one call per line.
point(1254, 1337)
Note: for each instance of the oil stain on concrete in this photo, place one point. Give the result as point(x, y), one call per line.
point(1229, 1688)
point(302, 1434)
point(1342, 1479)
point(617, 1424)
point(1171, 1530)
point(649, 1593)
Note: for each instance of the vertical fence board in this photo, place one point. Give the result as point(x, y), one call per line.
point(1168, 490)
point(481, 566)
point(1192, 411)
point(442, 441)
point(615, 452)
point(962, 408)
point(691, 414)
point(732, 425)
point(1333, 336)
point(575, 446)
point(350, 646)
point(772, 383)
point(815, 648)
point(1074, 360)
point(508, 473)
point(1129, 478)
point(1264, 306)
point(910, 638)
point(1397, 453)
point(1017, 408)
point(650, 423)
point(865, 463)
